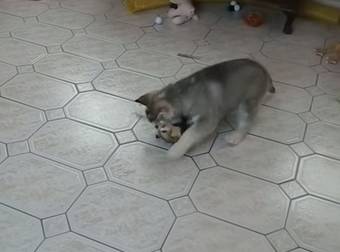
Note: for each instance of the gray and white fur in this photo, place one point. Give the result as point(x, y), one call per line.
point(232, 88)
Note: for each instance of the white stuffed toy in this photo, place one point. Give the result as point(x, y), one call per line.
point(181, 11)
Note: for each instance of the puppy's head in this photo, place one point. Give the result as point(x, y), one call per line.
point(156, 105)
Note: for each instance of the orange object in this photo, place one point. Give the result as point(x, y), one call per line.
point(254, 19)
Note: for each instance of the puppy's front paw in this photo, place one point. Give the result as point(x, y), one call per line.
point(234, 138)
point(174, 154)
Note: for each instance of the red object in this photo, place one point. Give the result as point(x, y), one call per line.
point(254, 19)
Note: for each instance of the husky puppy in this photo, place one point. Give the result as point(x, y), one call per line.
point(205, 98)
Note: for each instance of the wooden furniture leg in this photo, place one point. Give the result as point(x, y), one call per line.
point(290, 17)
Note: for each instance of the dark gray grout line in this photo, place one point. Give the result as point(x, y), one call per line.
point(94, 240)
point(39, 245)
point(68, 222)
point(56, 235)
point(246, 174)
point(192, 202)
point(92, 168)
point(171, 227)
point(76, 199)
point(93, 125)
point(151, 194)
point(270, 243)
point(33, 43)
point(297, 167)
point(288, 212)
point(10, 14)
point(231, 223)
point(303, 188)
point(3, 84)
point(323, 198)
point(42, 228)
point(113, 95)
point(19, 210)
point(193, 182)
point(84, 178)
point(273, 140)
point(70, 100)
point(65, 164)
point(22, 103)
point(283, 110)
point(294, 85)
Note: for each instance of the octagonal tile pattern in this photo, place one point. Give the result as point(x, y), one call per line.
point(324, 139)
point(18, 52)
point(115, 32)
point(166, 44)
point(214, 53)
point(315, 224)
point(320, 176)
point(258, 157)
point(65, 18)
point(102, 110)
point(290, 53)
point(3, 152)
point(6, 72)
point(101, 213)
point(149, 62)
point(9, 22)
point(87, 147)
point(289, 73)
point(327, 108)
point(68, 67)
point(38, 186)
point(17, 121)
point(188, 69)
point(93, 48)
point(20, 232)
point(143, 167)
point(23, 8)
point(52, 49)
point(42, 34)
point(278, 125)
point(38, 90)
point(188, 31)
point(246, 44)
point(74, 243)
point(329, 82)
point(126, 84)
point(201, 233)
point(217, 187)
point(291, 99)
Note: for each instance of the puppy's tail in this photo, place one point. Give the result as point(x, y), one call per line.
point(271, 88)
point(270, 85)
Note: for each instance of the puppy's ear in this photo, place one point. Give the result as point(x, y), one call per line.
point(146, 98)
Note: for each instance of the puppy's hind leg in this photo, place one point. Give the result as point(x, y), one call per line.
point(199, 131)
point(244, 116)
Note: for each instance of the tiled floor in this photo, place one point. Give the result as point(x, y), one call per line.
point(81, 171)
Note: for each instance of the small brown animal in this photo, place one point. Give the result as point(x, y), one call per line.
point(169, 132)
point(332, 53)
